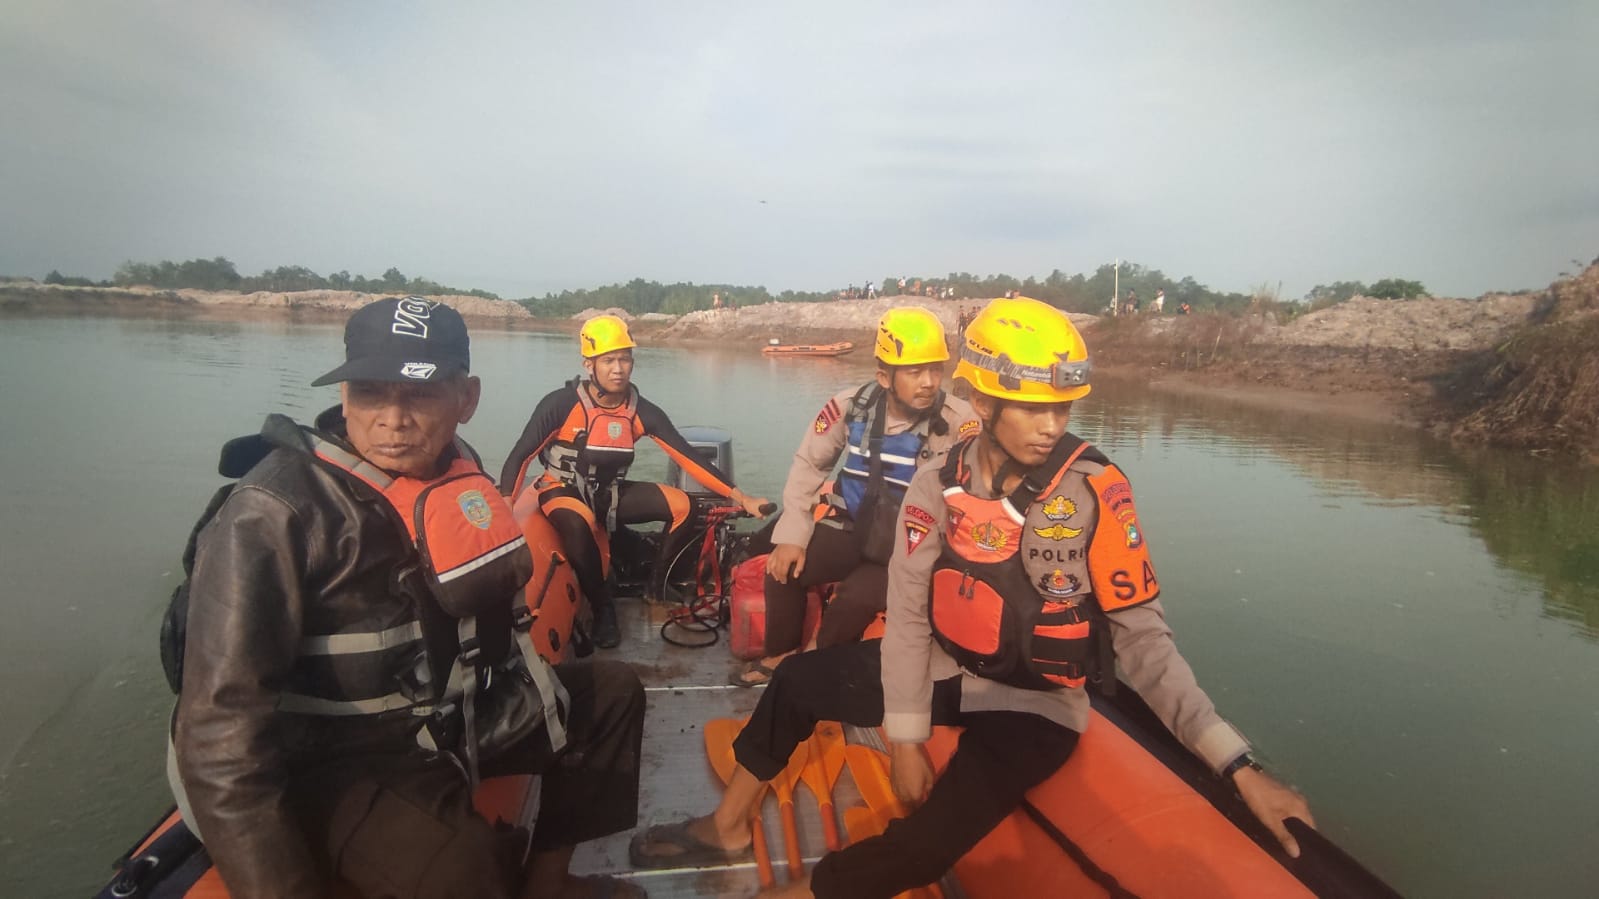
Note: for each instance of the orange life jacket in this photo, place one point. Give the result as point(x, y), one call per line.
point(595, 445)
point(475, 562)
point(1022, 582)
point(470, 543)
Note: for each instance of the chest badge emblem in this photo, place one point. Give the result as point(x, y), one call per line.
point(990, 537)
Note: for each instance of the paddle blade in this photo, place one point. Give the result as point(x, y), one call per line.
point(862, 823)
point(870, 770)
point(815, 778)
point(827, 741)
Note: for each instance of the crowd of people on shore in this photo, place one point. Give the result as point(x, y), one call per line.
point(1132, 305)
point(906, 287)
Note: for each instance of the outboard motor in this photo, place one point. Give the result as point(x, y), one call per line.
point(714, 445)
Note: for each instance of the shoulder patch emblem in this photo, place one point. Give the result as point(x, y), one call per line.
point(1118, 498)
point(968, 428)
point(1135, 537)
point(476, 509)
point(919, 515)
point(825, 418)
point(913, 536)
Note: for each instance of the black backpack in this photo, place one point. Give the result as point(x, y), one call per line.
point(174, 624)
point(239, 455)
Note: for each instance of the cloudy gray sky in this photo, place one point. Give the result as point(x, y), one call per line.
point(529, 146)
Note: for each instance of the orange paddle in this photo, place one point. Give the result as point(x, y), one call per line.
point(821, 772)
point(862, 823)
point(870, 770)
point(783, 786)
point(719, 734)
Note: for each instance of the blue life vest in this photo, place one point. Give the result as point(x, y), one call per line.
point(900, 452)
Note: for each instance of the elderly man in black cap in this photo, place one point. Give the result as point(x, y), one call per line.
point(342, 618)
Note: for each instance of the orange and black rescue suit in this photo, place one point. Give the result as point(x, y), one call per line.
point(586, 448)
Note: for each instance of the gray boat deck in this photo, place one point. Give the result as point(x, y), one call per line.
point(686, 688)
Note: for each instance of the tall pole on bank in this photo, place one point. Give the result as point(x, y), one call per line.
point(1116, 288)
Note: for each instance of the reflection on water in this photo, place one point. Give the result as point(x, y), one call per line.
point(1406, 630)
point(1537, 517)
point(1543, 520)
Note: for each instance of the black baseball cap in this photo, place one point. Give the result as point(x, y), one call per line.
point(402, 339)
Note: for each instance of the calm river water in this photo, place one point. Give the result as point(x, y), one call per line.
point(1407, 631)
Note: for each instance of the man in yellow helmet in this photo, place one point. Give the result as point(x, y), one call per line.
point(583, 434)
point(1035, 550)
point(884, 430)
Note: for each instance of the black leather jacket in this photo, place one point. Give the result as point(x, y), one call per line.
point(296, 549)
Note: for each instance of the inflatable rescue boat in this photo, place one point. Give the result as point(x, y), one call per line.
point(823, 349)
point(1131, 814)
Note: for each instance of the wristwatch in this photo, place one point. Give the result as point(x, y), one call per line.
point(1238, 764)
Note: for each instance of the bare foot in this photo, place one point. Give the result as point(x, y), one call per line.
point(733, 839)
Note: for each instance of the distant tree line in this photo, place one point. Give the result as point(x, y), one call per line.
point(220, 274)
point(1323, 295)
point(639, 297)
point(1075, 293)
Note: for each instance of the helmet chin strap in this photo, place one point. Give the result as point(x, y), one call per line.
point(1007, 467)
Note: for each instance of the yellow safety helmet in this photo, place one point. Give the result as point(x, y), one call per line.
point(1026, 351)
point(910, 335)
point(603, 334)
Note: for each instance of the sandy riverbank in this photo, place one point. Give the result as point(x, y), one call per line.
point(1419, 362)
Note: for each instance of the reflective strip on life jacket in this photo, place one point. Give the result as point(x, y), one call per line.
point(457, 522)
point(349, 644)
point(302, 704)
point(480, 561)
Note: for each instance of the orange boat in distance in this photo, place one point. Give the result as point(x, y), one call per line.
point(804, 349)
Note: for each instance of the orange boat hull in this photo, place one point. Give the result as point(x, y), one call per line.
point(1130, 815)
point(825, 349)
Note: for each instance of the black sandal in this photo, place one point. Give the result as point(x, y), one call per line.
point(692, 852)
point(739, 678)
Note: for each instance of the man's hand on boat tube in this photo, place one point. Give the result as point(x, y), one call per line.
point(1272, 802)
point(910, 773)
point(785, 556)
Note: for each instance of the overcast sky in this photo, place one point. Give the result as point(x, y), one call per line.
point(527, 146)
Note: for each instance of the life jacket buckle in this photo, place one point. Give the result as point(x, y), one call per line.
point(522, 618)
